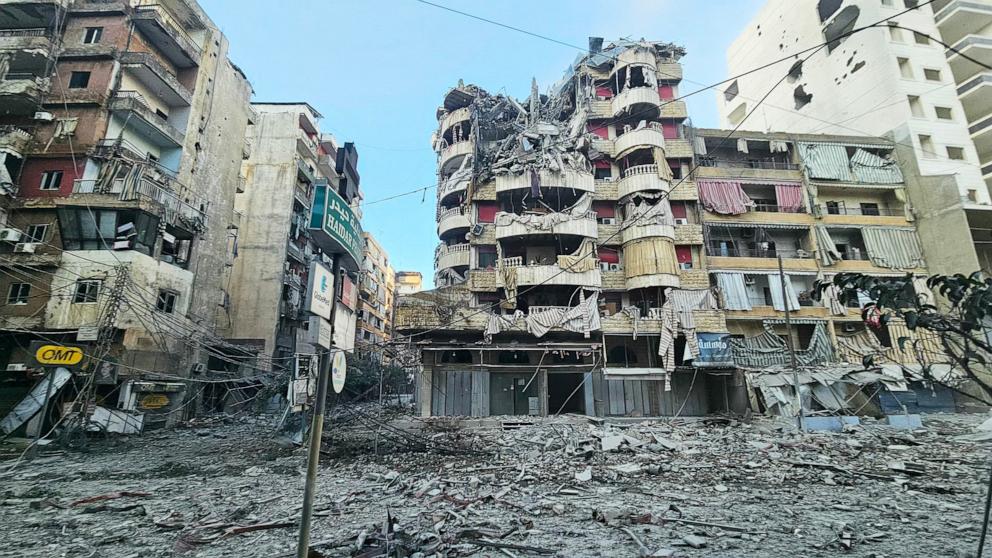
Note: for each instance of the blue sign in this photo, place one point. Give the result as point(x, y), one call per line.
point(714, 351)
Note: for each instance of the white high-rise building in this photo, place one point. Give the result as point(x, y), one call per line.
point(889, 79)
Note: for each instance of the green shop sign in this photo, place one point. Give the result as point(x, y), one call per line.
point(335, 227)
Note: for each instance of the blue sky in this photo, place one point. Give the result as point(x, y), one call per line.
point(377, 69)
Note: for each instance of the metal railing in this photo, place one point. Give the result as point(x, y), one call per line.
point(539, 309)
point(774, 208)
point(856, 254)
point(168, 21)
point(177, 204)
point(640, 169)
point(865, 211)
point(35, 32)
point(740, 252)
point(750, 164)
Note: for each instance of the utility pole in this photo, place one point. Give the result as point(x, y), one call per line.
point(317, 427)
point(792, 348)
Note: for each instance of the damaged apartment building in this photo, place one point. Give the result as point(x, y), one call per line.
point(289, 170)
point(600, 256)
point(119, 179)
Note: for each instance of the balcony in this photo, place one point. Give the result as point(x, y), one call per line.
point(978, 47)
point(976, 96)
point(640, 101)
point(301, 195)
point(454, 117)
point(166, 34)
point(21, 94)
point(304, 173)
point(132, 108)
point(457, 255)
point(579, 226)
point(452, 220)
point(306, 146)
point(93, 7)
point(600, 109)
point(15, 138)
point(724, 251)
point(552, 275)
point(649, 137)
point(452, 155)
point(841, 215)
point(637, 232)
point(755, 169)
point(149, 71)
point(36, 39)
point(960, 18)
point(294, 252)
point(582, 181)
point(30, 13)
point(639, 56)
point(181, 207)
point(642, 178)
point(326, 164)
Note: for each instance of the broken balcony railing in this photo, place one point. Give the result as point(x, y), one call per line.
point(180, 208)
point(747, 164)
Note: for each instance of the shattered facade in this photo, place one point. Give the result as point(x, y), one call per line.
point(375, 298)
point(598, 255)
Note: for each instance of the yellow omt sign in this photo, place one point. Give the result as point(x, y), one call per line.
point(58, 355)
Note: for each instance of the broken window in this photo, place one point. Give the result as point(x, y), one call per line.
point(905, 68)
point(737, 115)
point(943, 113)
point(176, 246)
point(955, 153)
point(92, 35)
point(926, 145)
point(931, 74)
point(920, 38)
point(79, 80)
point(105, 229)
point(801, 97)
point(166, 302)
point(731, 92)
point(87, 291)
point(841, 26)
point(894, 32)
point(19, 293)
point(827, 8)
point(621, 355)
point(50, 180)
point(37, 233)
point(915, 107)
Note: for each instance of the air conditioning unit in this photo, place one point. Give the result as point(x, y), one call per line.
point(198, 368)
point(607, 221)
point(17, 367)
point(24, 248)
point(607, 179)
point(685, 265)
point(681, 221)
point(616, 267)
point(44, 116)
point(749, 280)
point(477, 230)
point(850, 328)
point(604, 266)
point(10, 235)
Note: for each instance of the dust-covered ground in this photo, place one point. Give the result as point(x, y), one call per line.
point(562, 487)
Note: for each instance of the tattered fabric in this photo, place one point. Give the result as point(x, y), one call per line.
point(768, 349)
point(789, 197)
point(723, 196)
point(893, 248)
point(733, 291)
point(778, 300)
point(583, 259)
point(649, 256)
point(685, 301)
point(826, 160)
point(870, 168)
point(583, 318)
point(826, 250)
point(498, 323)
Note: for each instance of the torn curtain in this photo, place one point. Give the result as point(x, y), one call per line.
point(723, 196)
point(733, 290)
point(893, 248)
point(789, 197)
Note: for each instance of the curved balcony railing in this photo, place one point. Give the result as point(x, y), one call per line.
point(455, 152)
point(585, 225)
point(451, 219)
point(569, 178)
point(637, 232)
point(457, 255)
point(642, 178)
point(635, 99)
point(647, 137)
point(454, 117)
point(639, 56)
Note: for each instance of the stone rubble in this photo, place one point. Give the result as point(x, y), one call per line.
point(567, 486)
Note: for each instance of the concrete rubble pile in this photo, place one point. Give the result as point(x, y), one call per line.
point(568, 486)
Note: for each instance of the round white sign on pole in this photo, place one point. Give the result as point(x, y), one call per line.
point(339, 368)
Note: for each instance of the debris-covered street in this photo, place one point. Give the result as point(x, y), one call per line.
point(559, 487)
